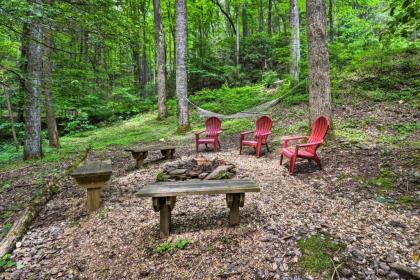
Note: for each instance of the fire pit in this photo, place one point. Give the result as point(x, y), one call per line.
point(197, 168)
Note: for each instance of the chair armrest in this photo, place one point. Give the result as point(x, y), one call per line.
point(298, 146)
point(246, 132)
point(291, 138)
point(296, 137)
point(265, 134)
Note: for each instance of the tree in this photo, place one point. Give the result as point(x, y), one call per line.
point(244, 20)
point(181, 87)
point(270, 17)
point(33, 56)
point(53, 137)
point(331, 20)
point(295, 41)
point(318, 61)
point(161, 73)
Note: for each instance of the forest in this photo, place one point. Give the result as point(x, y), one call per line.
point(95, 80)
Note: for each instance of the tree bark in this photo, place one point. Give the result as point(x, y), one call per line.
point(227, 24)
point(12, 121)
point(33, 147)
point(318, 61)
point(181, 87)
point(237, 33)
point(260, 16)
point(161, 73)
point(295, 41)
point(244, 21)
point(270, 18)
point(53, 137)
point(331, 20)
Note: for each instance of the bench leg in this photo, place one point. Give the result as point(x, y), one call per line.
point(93, 199)
point(234, 201)
point(164, 205)
point(166, 153)
point(140, 157)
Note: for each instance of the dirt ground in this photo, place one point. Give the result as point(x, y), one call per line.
point(120, 240)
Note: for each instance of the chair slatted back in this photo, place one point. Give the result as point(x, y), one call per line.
point(213, 126)
point(319, 129)
point(263, 125)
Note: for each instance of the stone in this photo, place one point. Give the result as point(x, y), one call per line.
point(259, 274)
point(203, 175)
point(177, 172)
point(393, 275)
point(18, 244)
point(346, 272)
point(384, 266)
point(16, 274)
point(390, 258)
point(357, 255)
point(221, 172)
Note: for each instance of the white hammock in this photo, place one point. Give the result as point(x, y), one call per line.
point(256, 111)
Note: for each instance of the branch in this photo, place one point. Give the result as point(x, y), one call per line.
point(226, 14)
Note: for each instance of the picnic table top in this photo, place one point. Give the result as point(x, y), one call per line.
point(180, 188)
point(93, 168)
point(155, 147)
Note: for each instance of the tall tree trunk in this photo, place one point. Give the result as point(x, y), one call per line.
point(295, 41)
point(181, 69)
point(237, 33)
point(318, 62)
point(260, 16)
point(244, 21)
point(284, 20)
point(270, 17)
point(53, 137)
point(331, 20)
point(137, 68)
point(161, 73)
point(32, 147)
point(12, 121)
point(227, 24)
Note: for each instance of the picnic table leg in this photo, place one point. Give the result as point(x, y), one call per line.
point(93, 193)
point(164, 205)
point(234, 201)
point(140, 157)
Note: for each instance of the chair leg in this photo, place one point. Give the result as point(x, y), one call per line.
point(240, 148)
point(292, 165)
point(258, 150)
point(281, 159)
point(318, 161)
point(196, 147)
point(268, 149)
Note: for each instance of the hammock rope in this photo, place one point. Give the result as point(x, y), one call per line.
point(250, 112)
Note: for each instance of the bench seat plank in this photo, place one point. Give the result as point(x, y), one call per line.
point(182, 188)
point(93, 168)
point(150, 148)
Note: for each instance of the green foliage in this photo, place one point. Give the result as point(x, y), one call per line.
point(5, 186)
point(384, 182)
point(5, 261)
point(269, 78)
point(230, 100)
point(6, 228)
point(318, 252)
point(78, 123)
point(172, 247)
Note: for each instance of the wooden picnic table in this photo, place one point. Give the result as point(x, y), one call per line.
point(93, 175)
point(141, 153)
point(164, 196)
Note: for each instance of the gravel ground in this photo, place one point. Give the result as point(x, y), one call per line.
point(119, 241)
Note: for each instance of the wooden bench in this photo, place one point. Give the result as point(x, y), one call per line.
point(141, 153)
point(92, 175)
point(164, 196)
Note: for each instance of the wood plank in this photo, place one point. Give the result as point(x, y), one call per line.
point(182, 188)
point(93, 168)
point(150, 148)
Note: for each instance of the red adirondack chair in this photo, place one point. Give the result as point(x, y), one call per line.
point(262, 131)
point(308, 150)
point(212, 132)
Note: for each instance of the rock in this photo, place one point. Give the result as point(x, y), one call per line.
point(18, 244)
point(384, 266)
point(397, 224)
point(274, 267)
point(259, 274)
point(393, 275)
point(390, 258)
point(346, 272)
point(221, 172)
point(16, 274)
point(357, 255)
point(203, 175)
point(381, 272)
point(177, 172)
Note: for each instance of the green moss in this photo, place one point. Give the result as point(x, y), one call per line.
point(409, 200)
point(162, 177)
point(318, 251)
